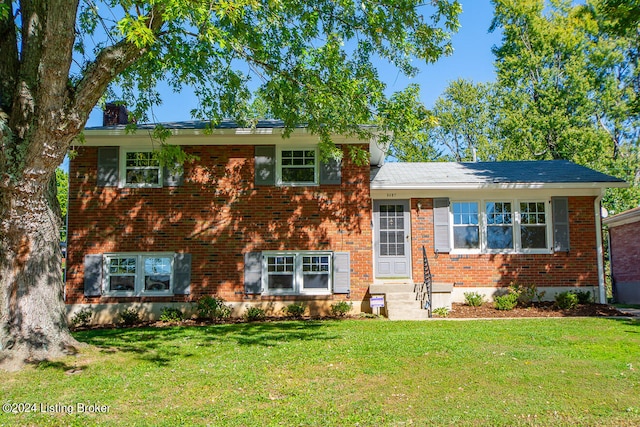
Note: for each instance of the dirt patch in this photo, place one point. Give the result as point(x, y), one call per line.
point(544, 309)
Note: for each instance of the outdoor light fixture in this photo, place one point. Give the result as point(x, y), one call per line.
point(419, 206)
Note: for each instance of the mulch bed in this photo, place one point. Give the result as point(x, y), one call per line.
point(543, 309)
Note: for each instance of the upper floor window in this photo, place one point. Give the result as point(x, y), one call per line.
point(298, 167)
point(142, 169)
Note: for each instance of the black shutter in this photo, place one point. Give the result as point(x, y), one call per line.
point(441, 225)
point(331, 172)
point(341, 273)
point(182, 274)
point(108, 166)
point(173, 178)
point(253, 273)
point(93, 275)
point(265, 165)
point(560, 206)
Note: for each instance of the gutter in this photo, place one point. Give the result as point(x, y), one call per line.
point(602, 296)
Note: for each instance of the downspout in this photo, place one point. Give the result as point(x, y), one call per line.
point(602, 296)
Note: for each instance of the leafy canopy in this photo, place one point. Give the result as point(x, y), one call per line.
point(307, 63)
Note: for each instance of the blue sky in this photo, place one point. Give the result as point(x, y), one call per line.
point(471, 60)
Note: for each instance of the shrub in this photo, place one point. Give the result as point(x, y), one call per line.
point(526, 293)
point(584, 297)
point(82, 317)
point(255, 314)
point(171, 314)
point(474, 299)
point(443, 311)
point(296, 309)
point(212, 308)
point(130, 316)
point(506, 301)
point(341, 308)
point(566, 300)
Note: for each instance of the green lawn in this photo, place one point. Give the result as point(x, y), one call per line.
point(343, 373)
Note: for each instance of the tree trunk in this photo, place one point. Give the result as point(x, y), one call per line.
point(33, 322)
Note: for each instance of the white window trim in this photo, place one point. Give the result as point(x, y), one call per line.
point(517, 241)
point(297, 273)
point(316, 171)
point(139, 277)
point(123, 169)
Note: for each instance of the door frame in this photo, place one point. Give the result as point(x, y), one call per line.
point(407, 240)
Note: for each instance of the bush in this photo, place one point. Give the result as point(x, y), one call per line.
point(171, 314)
point(584, 297)
point(130, 316)
point(255, 314)
point(474, 299)
point(296, 309)
point(444, 311)
point(566, 300)
point(341, 308)
point(82, 317)
point(506, 302)
point(213, 308)
point(526, 293)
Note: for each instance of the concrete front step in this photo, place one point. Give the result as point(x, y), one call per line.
point(400, 298)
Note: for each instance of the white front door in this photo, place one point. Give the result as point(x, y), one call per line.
point(392, 238)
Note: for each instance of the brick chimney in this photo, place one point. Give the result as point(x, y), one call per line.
point(115, 114)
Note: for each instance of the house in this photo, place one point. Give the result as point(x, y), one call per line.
point(624, 255)
point(262, 220)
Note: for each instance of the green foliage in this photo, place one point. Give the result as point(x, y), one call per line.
point(441, 312)
point(171, 314)
point(212, 308)
point(129, 316)
point(526, 293)
point(254, 314)
point(62, 192)
point(507, 301)
point(341, 308)
point(473, 299)
point(566, 300)
point(82, 317)
point(295, 310)
point(584, 297)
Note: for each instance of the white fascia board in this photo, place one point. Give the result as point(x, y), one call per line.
point(238, 136)
point(484, 193)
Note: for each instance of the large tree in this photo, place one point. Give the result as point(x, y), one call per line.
point(311, 63)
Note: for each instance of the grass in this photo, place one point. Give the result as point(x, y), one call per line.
point(344, 373)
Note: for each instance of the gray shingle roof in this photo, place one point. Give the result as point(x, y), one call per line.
point(425, 175)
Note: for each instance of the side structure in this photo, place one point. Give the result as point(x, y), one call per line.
point(624, 254)
point(258, 220)
point(489, 225)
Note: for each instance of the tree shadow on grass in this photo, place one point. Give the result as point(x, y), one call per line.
point(277, 333)
point(161, 346)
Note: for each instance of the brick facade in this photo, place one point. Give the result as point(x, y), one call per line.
point(624, 252)
point(578, 267)
point(217, 215)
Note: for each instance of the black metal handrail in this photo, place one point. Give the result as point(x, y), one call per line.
point(424, 290)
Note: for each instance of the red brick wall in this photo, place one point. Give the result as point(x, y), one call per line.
point(578, 267)
point(625, 252)
point(217, 216)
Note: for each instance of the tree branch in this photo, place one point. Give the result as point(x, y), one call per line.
point(109, 63)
